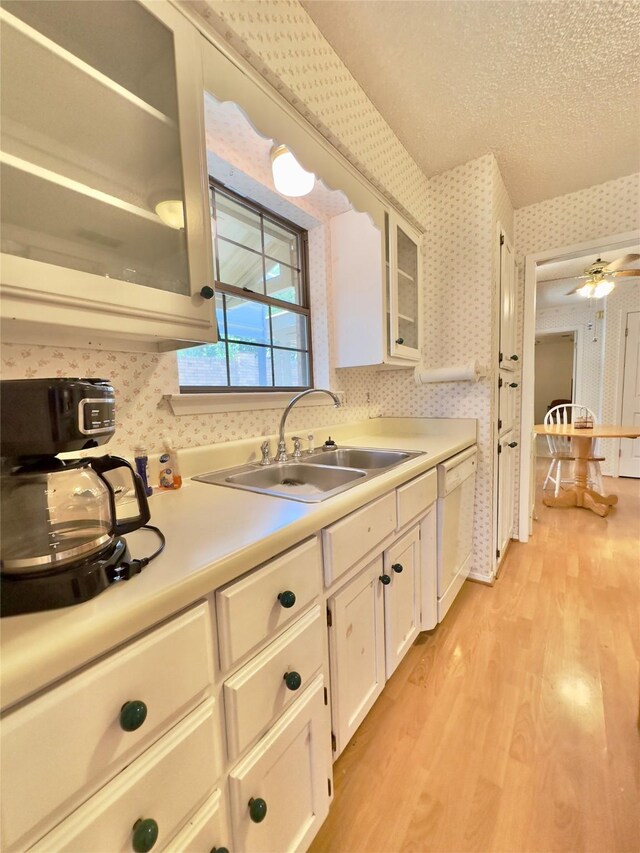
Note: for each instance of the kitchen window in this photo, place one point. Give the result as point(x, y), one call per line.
point(261, 303)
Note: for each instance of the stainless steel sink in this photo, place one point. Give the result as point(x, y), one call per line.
point(314, 478)
point(356, 457)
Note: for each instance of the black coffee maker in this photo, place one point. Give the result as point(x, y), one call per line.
point(62, 521)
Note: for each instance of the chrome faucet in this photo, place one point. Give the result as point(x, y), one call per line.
point(281, 455)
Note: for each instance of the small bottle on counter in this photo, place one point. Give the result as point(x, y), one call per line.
point(169, 469)
point(141, 461)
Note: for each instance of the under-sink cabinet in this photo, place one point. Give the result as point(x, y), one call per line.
point(106, 233)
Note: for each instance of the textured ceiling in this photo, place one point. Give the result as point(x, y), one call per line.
point(551, 88)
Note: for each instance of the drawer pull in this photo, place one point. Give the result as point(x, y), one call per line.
point(132, 715)
point(385, 579)
point(397, 568)
point(293, 680)
point(219, 850)
point(145, 835)
point(287, 598)
point(257, 809)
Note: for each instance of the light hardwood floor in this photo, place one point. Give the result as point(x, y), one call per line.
point(514, 725)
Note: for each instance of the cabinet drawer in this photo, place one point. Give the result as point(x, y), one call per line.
point(257, 694)
point(347, 541)
point(167, 784)
point(289, 769)
point(61, 747)
point(206, 831)
point(416, 497)
point(250, 609)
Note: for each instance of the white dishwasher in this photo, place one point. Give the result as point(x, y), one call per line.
point(456, 491)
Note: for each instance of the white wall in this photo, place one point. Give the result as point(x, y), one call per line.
point(554, 374)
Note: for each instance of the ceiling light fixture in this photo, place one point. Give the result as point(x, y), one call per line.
point(171, 212)
point(587, 289)
point(289, 177)
point(603, 288)
point(596, 288)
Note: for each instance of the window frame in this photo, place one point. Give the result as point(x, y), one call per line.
point(302, 309)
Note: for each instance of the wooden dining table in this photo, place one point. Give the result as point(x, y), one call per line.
point(582, 441)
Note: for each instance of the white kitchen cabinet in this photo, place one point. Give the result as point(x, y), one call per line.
point(377, 291)
point(506, 464)
point(280, 792)
point(207, 831)
point(356, 651)
point(508, 358)
point(102, 122)
point(401, 598)
point(507, 395)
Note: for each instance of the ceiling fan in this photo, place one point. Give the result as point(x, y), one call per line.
point(600, 274)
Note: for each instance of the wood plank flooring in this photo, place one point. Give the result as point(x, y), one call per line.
point(514, 725)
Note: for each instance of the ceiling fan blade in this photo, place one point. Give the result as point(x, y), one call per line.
point(572, 292)
point(620, 262)
point(635, 273)
point(564, 278)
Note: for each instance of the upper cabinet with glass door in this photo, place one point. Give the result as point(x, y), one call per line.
point(404, 292)
point(105, 208)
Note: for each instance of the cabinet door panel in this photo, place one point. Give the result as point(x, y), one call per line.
point(404, 291)
point(356, 649)
point(509, 360)
point(289, 769)
point(505, 492)
point(401, 598)
point(206, 831)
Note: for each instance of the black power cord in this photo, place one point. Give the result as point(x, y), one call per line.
point(125, 571)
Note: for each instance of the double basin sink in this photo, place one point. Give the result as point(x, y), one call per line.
point(314, 477)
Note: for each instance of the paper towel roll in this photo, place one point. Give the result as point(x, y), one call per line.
point(470, 372)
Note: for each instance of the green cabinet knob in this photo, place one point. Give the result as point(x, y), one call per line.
point(257, 809)
point(397, 568)
point(513, 357)
point(132, 715)
point(385, 579)
point(219, 850)
point(513, 444)
point(207, 292)
point(145, 835)
point(513, 385)
point(287, 598)
point(400, 341)
point(293, 680)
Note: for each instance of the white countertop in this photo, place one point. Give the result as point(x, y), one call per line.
point(214, 534)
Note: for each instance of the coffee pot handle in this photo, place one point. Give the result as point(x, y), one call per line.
point(102, 464)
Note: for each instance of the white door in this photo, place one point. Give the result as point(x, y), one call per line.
point(356, 650)
point(630, 447)
point(401, 597)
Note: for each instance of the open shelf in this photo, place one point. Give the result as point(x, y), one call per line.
point(405, 277)
point(406, 318)
point(81, 119)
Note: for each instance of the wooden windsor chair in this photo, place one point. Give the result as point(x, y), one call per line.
point(560, 449)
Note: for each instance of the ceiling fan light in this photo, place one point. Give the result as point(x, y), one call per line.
point(289, 177)
point(603, 288)
point(587, 289)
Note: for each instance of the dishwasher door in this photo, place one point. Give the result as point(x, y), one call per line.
point(456, 493)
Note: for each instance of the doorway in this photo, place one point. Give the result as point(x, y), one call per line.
point(555, 379)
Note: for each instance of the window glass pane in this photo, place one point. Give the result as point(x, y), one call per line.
point(236, 222)
point(247, 320)
point(203, 366)
point(281, 244)
point(288, 329)
point(291, 368)
point(250, 365)
point(220, 315)
point(240, 267)
point(283, 282)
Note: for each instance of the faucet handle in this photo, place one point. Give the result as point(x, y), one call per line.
point(265, 449)
point(297, 446)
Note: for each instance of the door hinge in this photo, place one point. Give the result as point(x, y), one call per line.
point(499, 448)
point(502, 239)
point(326, 696)
point(329, 786)
point(500, 357)
point(619, 451)
point(498, 553)
point(334, 742)
point(329, 618)
point(500, 382)
point(499, 424)
point(626, 332)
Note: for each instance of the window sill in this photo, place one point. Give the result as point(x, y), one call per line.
point(251, 401)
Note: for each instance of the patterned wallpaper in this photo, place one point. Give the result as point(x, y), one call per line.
point(598, 211)
point(279, 39)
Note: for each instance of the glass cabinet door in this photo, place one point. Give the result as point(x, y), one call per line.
point(91, 152)
point(405, 295)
